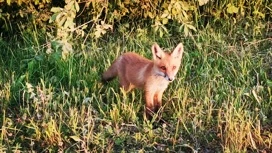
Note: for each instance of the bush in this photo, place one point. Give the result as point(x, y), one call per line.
point(103, 15)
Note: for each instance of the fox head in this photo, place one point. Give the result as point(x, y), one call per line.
point(167, 64)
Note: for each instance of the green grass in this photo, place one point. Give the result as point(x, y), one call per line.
point(221, 100)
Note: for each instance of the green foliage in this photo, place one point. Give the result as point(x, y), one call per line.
point(24, 15)
point(102, 16)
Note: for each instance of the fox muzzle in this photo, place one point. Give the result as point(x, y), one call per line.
point(170, 79)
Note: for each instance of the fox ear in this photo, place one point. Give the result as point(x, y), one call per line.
point(178, 51)
point(157, 51)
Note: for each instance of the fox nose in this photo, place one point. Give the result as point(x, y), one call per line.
point(170, 79)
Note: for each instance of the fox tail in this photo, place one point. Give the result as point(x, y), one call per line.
point(111, 73)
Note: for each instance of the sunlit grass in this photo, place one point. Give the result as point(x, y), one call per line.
point(221, 100)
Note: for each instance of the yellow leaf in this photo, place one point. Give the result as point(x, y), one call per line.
point(126, 2)
point(256, 96)
point(75, 138)
point(56, 9)
point(165, 14)
point(191, 27)
point(82, 33)
point(260, 14)
point(61, 21)
point(84, 26)
point(69, 23)
point(19, 2)
point(186, 31)
point(232, 9)
point(156, 28)
point(161, 32)
point(185, 6)
point(8, 2)
point(97, 34)
point(59, 17)
point(103, 31)
point(175, 12)
point(202, 2)
point(107, 26)
point(76, 6)
point(150, 15)
point(164, 21)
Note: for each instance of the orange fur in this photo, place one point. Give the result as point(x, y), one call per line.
point(135, 71)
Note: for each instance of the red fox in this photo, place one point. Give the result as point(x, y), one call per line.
point(135, 71)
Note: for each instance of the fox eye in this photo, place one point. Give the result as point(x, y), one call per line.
point(163, 68)
point(174, 67)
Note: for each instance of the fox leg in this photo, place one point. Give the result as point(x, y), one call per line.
point(157, 100)
point(149, 104)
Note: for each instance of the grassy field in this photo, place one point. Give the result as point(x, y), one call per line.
point(221, 100)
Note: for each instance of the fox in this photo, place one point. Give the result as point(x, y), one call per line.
point(152, 76)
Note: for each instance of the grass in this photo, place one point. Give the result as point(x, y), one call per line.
point(221, 100)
